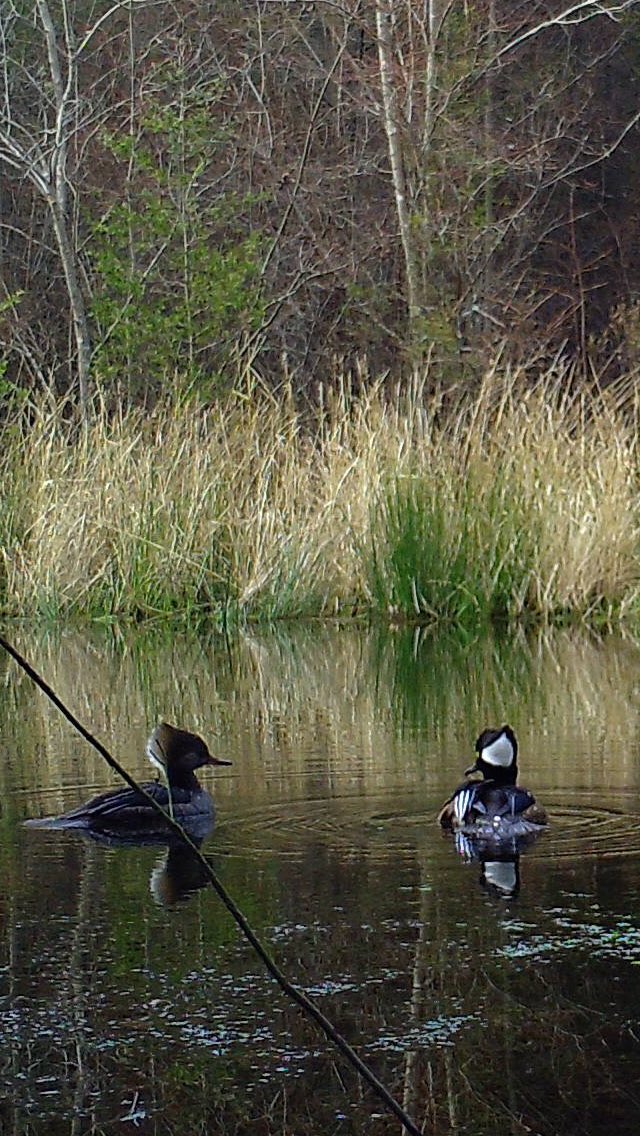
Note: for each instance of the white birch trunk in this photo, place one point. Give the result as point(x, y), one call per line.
point(391, 117)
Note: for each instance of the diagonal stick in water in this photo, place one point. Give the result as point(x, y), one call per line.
point(303, 1001)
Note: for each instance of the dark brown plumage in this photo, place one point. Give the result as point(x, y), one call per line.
point(177, 754)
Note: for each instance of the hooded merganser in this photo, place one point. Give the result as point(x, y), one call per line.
point(176, 753)
point(494, 809)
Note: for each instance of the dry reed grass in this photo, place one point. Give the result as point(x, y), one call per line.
point(514, 501)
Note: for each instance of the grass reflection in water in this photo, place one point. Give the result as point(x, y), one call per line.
point(482, 1011)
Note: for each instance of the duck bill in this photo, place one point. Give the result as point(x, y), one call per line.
point(472, 769)
point(218, 761)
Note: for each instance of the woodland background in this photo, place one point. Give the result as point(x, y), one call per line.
point(188, 187)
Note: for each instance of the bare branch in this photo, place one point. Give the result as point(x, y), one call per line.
point(574, 14)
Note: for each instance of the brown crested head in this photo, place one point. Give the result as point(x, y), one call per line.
point(171, 748)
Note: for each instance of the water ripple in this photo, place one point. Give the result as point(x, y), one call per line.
point(582, 826)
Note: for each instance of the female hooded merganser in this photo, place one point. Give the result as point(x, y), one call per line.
point(176, 753)
point(495, 808)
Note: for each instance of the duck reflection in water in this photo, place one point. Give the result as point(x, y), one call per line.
point(126, 812)
point(177, 875)
point(494, 819)
point(178, 872)
point(499, 870)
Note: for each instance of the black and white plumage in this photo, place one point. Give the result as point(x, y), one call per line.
point(495, 808)
point(177, 754)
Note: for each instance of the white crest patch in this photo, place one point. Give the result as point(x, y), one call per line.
point(500, 752)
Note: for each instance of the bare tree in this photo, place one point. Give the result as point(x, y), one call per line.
point(410, 174)
point(42, 109)
point(392, 121)
point(489, 119)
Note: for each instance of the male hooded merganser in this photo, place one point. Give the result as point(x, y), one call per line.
point(495, 808)
point(176, 753)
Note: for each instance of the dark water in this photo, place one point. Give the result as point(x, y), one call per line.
point(484, 1008)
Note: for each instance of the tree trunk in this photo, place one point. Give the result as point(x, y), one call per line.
point(391, 114)
point(79, 315)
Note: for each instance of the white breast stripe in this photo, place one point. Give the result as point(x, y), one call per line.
point(462, 803)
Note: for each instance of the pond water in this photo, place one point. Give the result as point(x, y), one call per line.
point(488, 999)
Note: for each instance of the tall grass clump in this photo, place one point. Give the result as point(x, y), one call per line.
point(459, 550)
point(517, 502)
point(521, 504)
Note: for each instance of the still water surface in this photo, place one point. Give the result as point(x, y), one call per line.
point(128, 1000)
